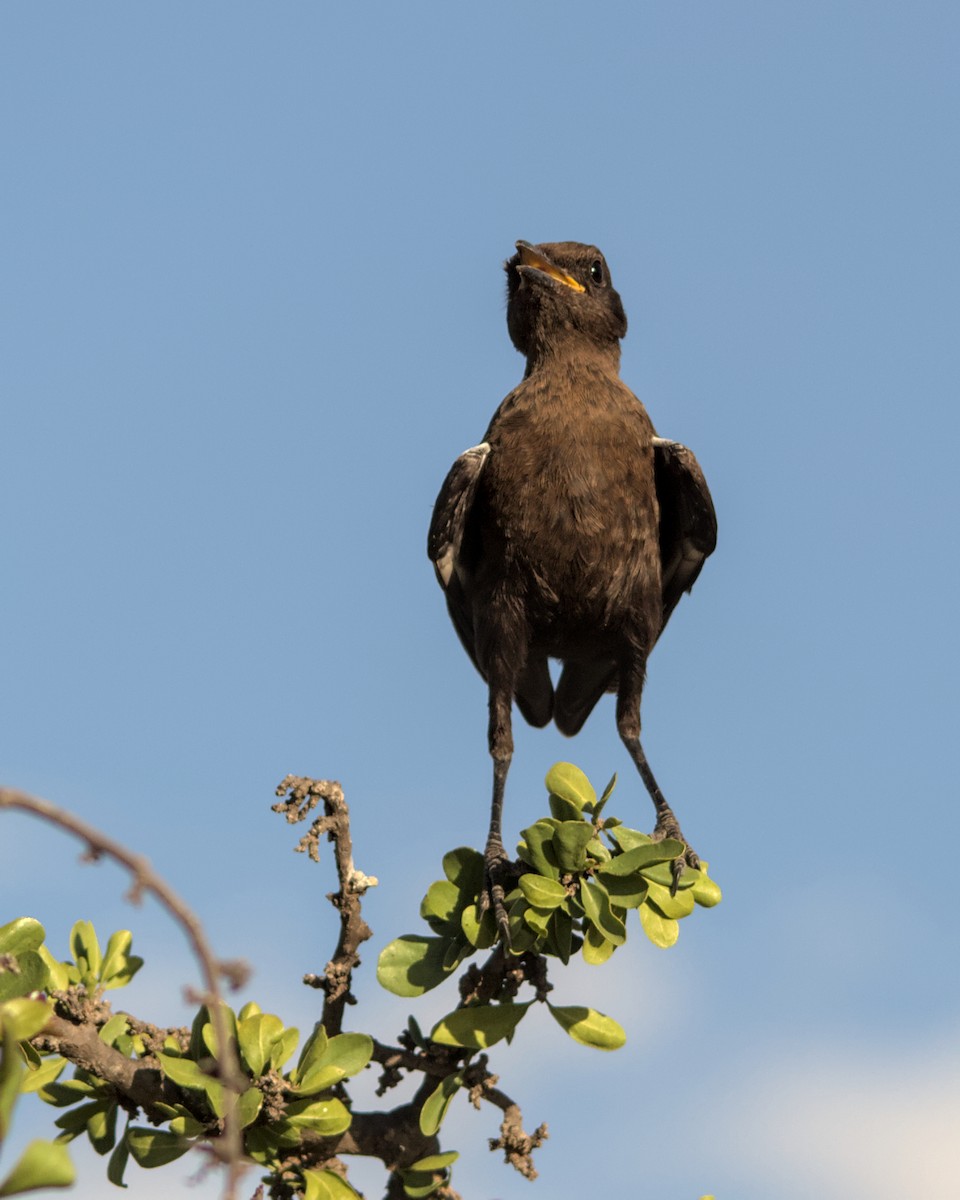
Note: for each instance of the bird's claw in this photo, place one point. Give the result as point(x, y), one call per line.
point(669, 827)
point(492, 895)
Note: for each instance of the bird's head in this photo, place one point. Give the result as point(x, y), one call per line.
point(561, 291)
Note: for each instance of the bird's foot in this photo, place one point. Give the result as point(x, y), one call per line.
point(669, 827)
point(498, 878)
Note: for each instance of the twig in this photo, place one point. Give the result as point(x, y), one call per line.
point(302, 796)
point(145, 879)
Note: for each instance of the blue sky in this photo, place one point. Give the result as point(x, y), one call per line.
point(252, 308)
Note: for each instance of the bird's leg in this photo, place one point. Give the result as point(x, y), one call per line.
point(494, 856)
point(628, 726)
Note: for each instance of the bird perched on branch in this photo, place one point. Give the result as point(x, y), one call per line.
point(571, 531)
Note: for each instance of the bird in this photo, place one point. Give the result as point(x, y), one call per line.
point(569, 532)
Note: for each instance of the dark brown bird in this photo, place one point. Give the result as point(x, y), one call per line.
point(572, 530)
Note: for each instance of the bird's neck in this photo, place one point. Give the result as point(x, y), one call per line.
point(569, 353)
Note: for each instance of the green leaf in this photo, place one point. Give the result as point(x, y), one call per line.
point(102, 1128)
point(114, 1029)
point(24, 933)
point(629, 839)
point(331, 1060)
point(118, 1163)
point(440, 907)
point(676, 907)
point(464, 868)
point(596, 905)
point(411, 965)
point(257, 1036)
point(208, 1032)
point(560, 934)
point(602, 802)
point(479, 1026)
point(40, 1077)
point(662, 931)
point(435, 1162)
point(542, 892)
point(58, 973)
point(436, 1104)
point(12, 1070)
point(589, 1027)
point(564, 809)
point(537, 848)
point(249, 1104)
point(644, 855)
point(480, 933)
point(570, 784)
point(537, 921)
point(41, 1165)
point(85, 949)
point(70, 1091)
point(283, 1047)
point(326, 1185)
point(596, 948)
point(29, 975)
point(570, 844)
point(155, 1147)
point(662, 873)
point(23, 1018)
point(184, 1072)
point(119, 966)
point(705, 891)
point(625, 891)
point(324, 1117)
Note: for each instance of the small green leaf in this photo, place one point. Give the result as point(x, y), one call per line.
point(22, 1018)
point(569, 783)
point(25, 933)
point(662, 873)
point(435, 1162)
point(662, 931)
point(440, 907)
point(596, 948)
point(464, 868)
point(283, 1047)
point(601, 803)
point(48, 1072)
point(537, 849)
point(676, 907)
point(119, 965)
point(184, 1072)
point(560, 934)
point(644, 855)
point(411, 965)
point(41, 1165)
point(58, 973)
point(118, 1163)
point(542, 892)
point(479, 1026)
point(324, 1117)
point(29, 975)
point(705, 891)
point(482, 933)
point(257, 1036)
point(570, 843)
point(588, 1027)
point(101, 1128)
point(155, 1147)
point(326, 1185)
point(564, 809)
point(249, 1104)
point(85, 949)
point(596, 905)
point(436, 1104)
point(114, 1029)
point(628, 839)
point(343, 1055)
point(625, 891)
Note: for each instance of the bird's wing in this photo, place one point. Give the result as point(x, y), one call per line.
point(445, 539)
point(688, 523)
point(451, 509)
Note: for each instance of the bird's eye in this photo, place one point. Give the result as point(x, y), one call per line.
point(596, 271)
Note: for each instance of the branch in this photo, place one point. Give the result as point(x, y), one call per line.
point(302, 796)
point(145, 879)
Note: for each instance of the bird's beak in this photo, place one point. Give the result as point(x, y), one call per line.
point(531, 257)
